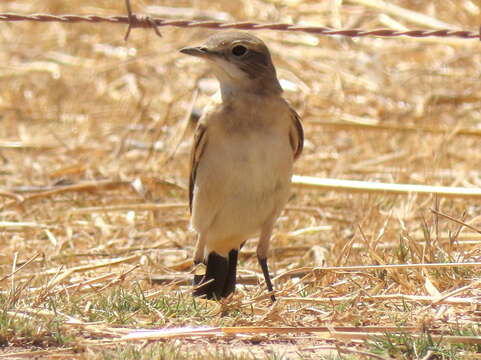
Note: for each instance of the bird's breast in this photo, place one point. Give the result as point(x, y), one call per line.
point(243, 180)
point(254, 159)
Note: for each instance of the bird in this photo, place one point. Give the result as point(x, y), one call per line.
point(241, 162)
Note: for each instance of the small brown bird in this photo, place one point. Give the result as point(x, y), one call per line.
point(241, 163)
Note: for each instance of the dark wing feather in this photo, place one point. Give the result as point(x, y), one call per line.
point(200, 138)
point(296, 134)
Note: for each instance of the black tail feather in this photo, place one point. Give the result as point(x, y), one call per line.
point(212, 283)
point(197, 279)
point(232, 273)
point(220, 276)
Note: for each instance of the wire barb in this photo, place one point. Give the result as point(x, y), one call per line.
point(138, 21)
point(130, 16)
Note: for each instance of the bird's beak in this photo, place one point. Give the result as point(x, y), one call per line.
point(198, 51)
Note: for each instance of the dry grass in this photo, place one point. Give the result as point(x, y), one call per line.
point(82, 109)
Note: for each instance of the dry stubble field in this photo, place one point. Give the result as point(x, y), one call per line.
point(94, 144)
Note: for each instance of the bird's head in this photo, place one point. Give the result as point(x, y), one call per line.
point(240, 61)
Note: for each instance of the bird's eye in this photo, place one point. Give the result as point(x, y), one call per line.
point(239, 50)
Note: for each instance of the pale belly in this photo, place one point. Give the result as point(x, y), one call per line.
point(237, 192)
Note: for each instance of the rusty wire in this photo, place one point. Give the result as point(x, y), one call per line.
point(136, 21)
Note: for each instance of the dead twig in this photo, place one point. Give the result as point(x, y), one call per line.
point(7, 194)
point(20, 267)
point(460, 222)
point(309, 182)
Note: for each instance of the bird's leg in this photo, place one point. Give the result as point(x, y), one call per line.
point(262, 250)
point(267, 277)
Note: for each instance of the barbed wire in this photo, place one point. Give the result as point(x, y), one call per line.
point(142, 21)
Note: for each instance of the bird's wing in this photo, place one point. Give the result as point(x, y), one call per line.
point(200, 138)
point(296, 133)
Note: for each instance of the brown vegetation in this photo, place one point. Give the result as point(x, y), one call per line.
point(94, 142)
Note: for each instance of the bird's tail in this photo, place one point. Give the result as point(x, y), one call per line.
point(220, 276)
